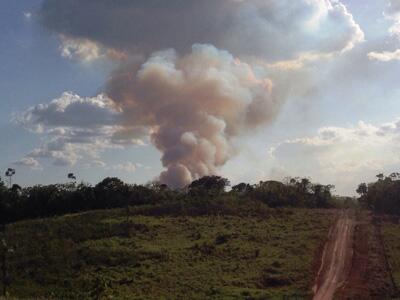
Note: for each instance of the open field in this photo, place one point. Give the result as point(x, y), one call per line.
point(102, 255)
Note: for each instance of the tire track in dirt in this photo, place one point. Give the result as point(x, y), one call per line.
point(336, 258)
point(354, 263)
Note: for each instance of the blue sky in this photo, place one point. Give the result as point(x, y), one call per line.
point(338, 124)
point(33, 72)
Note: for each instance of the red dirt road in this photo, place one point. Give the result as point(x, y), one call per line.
point(336, 258)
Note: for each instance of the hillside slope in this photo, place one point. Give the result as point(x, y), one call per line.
point(104, 254)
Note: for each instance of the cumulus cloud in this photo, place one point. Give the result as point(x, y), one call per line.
point(344, 155)
point(70, 111)
point(75, 127)
point(29, 162)
point(385, 56)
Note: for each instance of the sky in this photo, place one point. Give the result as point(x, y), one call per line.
point(250, 90)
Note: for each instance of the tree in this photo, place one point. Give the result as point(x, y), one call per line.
point(72, 177)
point(242, 188)
point(362, 189)
point(111, 192)
point(383, 195)
point(10, 173)
point(3, 199)
point(271, 192)
point(110, 184)
point(16, 189)
point(212, 185)
point(322, 194)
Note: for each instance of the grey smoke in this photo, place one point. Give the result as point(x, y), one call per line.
point(270, 29)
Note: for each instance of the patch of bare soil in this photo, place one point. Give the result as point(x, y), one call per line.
point(356, 284)
point(370, 276)
point(361, 271)
point(336, 258)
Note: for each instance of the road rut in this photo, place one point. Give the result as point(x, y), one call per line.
point(336, 258)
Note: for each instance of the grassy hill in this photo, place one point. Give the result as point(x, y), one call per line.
point(107, 255)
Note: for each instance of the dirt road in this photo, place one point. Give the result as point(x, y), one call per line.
point(337, 258)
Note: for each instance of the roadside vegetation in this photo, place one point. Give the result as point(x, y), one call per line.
point(382, 197)
point(391, 238)
point(206, 241)
point(261, 254)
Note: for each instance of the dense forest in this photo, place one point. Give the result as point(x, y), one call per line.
point(383, 195)
point(206, 195)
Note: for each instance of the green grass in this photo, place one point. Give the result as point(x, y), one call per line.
point(97, 255)
point(391, 236)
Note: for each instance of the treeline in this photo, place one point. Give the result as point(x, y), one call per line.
point(206, 195)
point(383, 195)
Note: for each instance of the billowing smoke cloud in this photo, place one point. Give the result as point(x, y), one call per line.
point(194, 104)
point(215, 83)
point(268, 29)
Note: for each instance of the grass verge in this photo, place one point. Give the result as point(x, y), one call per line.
point(105, 255)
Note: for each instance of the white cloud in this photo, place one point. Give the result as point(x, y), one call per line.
point(29, 162)
point(76, 128)
point(27, 15)
point(62, 153)
point(385, 56)
point(70, 111)
point(127, 167)
point(344, 156)
point(99, 163)
point(86, 50)
point(82, 49)
point(392, 13)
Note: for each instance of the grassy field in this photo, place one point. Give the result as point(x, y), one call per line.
point(101, 255)
point(390, 232)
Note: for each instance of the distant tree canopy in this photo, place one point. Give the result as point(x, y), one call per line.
point(200, 197)
point(208, 185)
point(382, 196)
point(296, 192)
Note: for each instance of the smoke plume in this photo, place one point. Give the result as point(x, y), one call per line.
point(194, 105)
point(213, 83)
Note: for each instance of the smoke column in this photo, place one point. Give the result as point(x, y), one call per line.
point(193, 105)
